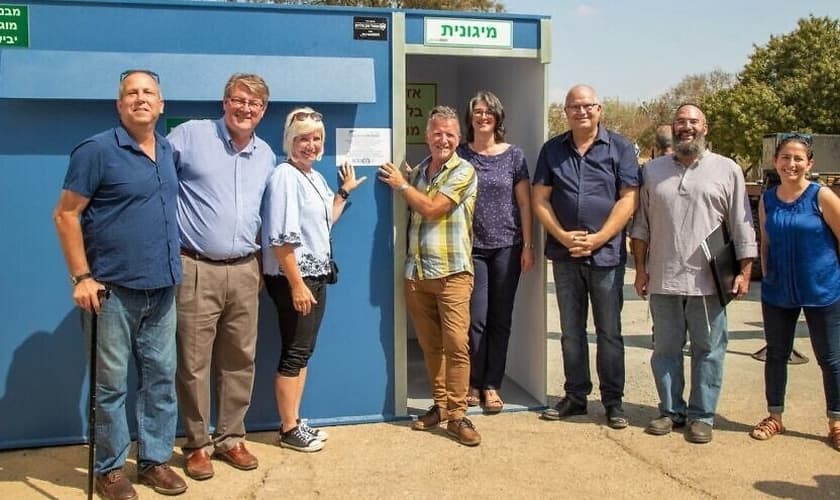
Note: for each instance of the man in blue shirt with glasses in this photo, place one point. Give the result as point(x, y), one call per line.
point(586, 188)
point(223, 168)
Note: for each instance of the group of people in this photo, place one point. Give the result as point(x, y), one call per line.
point(183, 230)
point(588, 187)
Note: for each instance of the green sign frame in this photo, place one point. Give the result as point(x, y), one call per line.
point(14, 25)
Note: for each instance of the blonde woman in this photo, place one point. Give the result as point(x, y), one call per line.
point(298, 213)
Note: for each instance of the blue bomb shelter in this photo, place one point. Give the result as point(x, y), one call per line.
point(373, 73)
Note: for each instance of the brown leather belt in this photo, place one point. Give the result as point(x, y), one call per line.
point(186, 252)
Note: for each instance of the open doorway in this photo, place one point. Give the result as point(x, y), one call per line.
point(520, 85)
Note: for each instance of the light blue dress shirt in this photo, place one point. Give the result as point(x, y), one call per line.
point(220, 189)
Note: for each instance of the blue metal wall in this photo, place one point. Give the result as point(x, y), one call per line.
point(43, 361)
point(61, 89)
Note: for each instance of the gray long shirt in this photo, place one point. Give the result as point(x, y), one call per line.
point(678, 208)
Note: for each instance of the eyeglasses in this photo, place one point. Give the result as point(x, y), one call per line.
point(241, 103)
point(806, 139)
point(127, 72)
point(303, 115)
point(588, 107)
point(482, 112)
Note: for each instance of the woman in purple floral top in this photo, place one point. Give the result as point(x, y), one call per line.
point(502, 244)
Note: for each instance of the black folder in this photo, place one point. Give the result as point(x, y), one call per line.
point(720, 251)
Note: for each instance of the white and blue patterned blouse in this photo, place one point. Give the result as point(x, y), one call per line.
point(297, 210)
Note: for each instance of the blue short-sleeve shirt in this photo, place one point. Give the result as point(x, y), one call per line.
point(585, 189)
point(130, 225)
point(497, 222)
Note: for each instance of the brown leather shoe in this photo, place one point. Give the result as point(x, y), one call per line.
point(464, 431)
point(198, 465)
point(113, 485)
point(163, 479)
point(238, 457)
point(431, 419)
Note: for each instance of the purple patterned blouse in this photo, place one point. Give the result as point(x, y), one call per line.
point(497, 223)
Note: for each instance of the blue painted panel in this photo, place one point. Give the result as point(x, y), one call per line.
point(43, 357)
point(58, 74)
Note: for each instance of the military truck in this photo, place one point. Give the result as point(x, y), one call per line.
point(826, 171)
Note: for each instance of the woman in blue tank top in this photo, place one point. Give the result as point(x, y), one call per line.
point(800, 227)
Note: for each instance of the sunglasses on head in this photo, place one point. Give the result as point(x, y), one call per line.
point(127, 72)
point(303, 115)
point(806, 139)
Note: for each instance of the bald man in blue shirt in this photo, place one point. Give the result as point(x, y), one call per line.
point(586, 187)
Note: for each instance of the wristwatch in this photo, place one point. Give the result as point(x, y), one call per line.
point(343, 193)
point(75, 280)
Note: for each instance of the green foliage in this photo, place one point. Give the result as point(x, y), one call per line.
point(464, 5)
point(556, 119)
point(625, 118)
point(791, 83)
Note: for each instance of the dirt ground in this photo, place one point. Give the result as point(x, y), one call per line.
point(524, 457)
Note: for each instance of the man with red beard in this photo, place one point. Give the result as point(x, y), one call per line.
point(223, 170)
point(684, 198)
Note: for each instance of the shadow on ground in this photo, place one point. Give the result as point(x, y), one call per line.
point(827, 487)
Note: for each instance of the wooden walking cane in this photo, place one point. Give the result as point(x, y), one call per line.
point(102, 294)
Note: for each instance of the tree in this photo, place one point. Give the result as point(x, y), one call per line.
point(465, 5)
point(625, 118)
point(791, 83)
point(556, 119)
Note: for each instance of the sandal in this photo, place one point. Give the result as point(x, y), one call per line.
point(493, 403)
point(834, 437)
point(769, 427)
point(473, 397)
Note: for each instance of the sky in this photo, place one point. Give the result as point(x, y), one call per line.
point(635, 50)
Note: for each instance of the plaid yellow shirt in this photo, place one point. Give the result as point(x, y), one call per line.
point(442, 247)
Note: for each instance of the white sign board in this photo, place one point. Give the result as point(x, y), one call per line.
point(366, 147)
point(468, 33)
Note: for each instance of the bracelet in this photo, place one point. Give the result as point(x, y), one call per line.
point(528, 245)
point(343, 193)
point(75, 280)
point(403, 187)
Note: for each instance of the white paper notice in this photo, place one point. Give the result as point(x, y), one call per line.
point(363, 146)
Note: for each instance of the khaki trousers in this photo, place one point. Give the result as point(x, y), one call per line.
point(217, 328)
point(440, 311)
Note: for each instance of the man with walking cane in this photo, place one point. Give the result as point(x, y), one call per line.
point(116, 221)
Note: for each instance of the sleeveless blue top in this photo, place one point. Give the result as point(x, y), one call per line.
point(802, 263)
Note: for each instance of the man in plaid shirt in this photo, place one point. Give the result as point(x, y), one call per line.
point(440, 194)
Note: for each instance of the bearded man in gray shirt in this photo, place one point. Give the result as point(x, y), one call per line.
point(684, 198)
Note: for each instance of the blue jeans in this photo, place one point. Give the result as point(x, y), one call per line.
point(491, 308)
point(138, 323)
point(704, 319)
point(824, 329)
point(576, 285)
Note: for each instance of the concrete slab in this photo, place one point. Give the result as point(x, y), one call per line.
point(524, 457)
